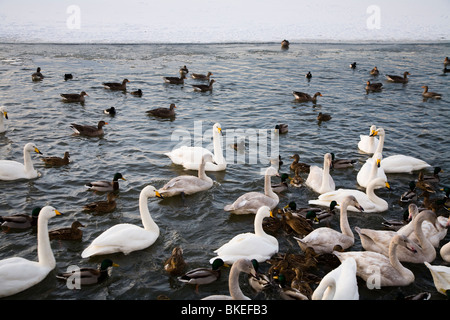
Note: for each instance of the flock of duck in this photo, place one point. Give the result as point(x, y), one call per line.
point(415, 239)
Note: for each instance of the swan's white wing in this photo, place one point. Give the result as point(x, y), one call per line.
point(402, 164)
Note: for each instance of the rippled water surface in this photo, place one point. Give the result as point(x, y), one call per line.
point(253, 90)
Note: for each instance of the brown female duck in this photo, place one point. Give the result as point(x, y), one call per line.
point(116, 85)
point(57, 161)
point(175, 264)
point(74, 97)
point(374, 71)
point(88, 130)
point(199, 76)
point(163, 112)
point(102, 206)
point(427, 94)
point(323, 117)
point(203, 87)
point(175, 80)
point(37, 76)
point(373, 86)
point(71, 233)
point(303, 167)
point(399, 79)
point(304, 97)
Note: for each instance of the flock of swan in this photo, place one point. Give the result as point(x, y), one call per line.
point(384, 251)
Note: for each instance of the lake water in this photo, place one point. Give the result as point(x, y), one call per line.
point(253, 91)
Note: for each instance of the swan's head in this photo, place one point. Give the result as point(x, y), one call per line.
point(351, 201)
point(48, 212)
point(378, 157)
point(245, 265)
point(208, 158)
point(151, 192)
point(403, 241)
point(30, 147)
point(271, 171)
point(328, 159)
point(3, 112)
point(217, 128)
point(379, 132)
point(264, 211)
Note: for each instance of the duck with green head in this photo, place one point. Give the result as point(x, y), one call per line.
point(106, 186)
point(89, 276)
point(200, 276)
point(20, 221)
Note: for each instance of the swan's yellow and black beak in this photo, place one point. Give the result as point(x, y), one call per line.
point(271, 214)
point(5, 114)
point(58, 213)
point(388, 186)
point(220, 130)
point(373, 133)
point(159, 195)
point(37, 150)
point(378, 163)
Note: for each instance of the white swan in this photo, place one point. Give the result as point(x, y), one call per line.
point(191, 157)
point(378, 241)
point(339, 284)
point(319, 179)
point(368, 143)
point(382, 271)
point(368, 200)
point(18, 274)
point(323, 239)
point(13, 170)
point(250, 202)
point(397, 163)
point(3, 114)
point(445, 252)
point(126, 237)
point(187, 184)
point(241, 265)
point(370, 170)
point(441, 278)
point(259, 245)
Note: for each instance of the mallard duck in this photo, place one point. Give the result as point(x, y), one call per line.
point(259, 282)
point(283, 185)
point(285, 44)
point(175, 80)
point(37, 76)
point(116, 86)
point(446, 61)
point(204, 87)
point(302, 283)
point(374, 86)
point(88, 276)
point(71, 233)
point(323, 117)
point(126, 237)
point(74, 97)
point(57, 161)
point(18, 274)
point(308, 75)
point(68, 76)
point(303, 167)
point(282, 128)
point(199, 76)
point(410, 195)
point(200, 276)
point(399, 79)
point(423, 184)
point(272, 224)
point(137, 93)
point(397, 224)
point(374, 71)
point(297, 180)
point(314, 214)
point(434, 177)
point(163, 112)
point(89, 131)
point(304, 97)
point(3, 114)
point(298, 224)
point(427, 94)
point(106, 186)
point(353, 65)
point(175, 264)
point(286, 291)
point(341, 163)
point(183, 70)
point(14, 170)
point(20, 221)
point(111, 111)
point(102, 206)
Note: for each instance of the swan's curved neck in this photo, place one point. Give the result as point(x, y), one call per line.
point(45, 254)
point(426, 245)
point(2, 125)
point(201, 171)
point(146, 218)
point(343, 220)
point(28, 164)
point(372, 196)
point(326, 289)
point(268, 188)
point(374, 170)
point(380, 146)
point(395, 262)
point(233, 285)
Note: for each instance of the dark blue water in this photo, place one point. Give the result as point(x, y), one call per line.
point(253, 90)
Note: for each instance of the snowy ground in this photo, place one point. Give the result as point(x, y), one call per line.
point(200, 21)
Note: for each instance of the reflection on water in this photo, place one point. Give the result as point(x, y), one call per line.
point(253, 91)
